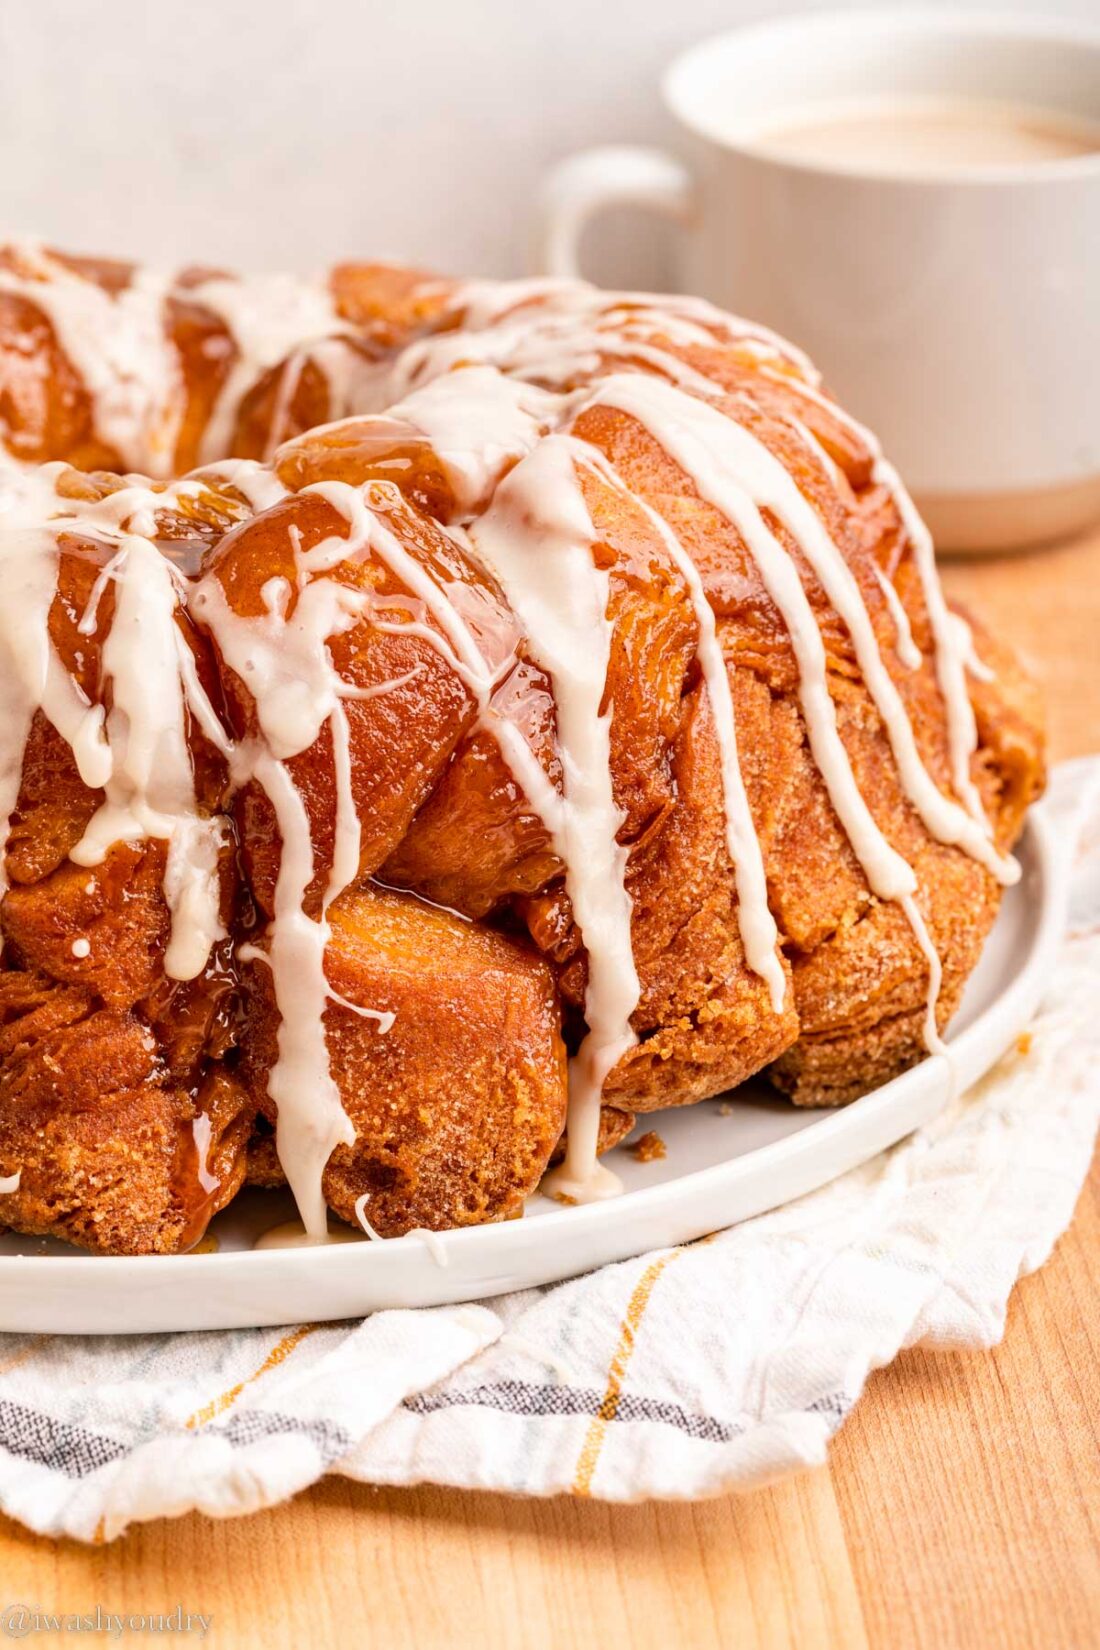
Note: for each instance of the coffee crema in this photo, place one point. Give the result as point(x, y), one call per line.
point(922, 135)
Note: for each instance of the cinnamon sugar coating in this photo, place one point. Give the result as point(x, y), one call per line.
point(128, 1100)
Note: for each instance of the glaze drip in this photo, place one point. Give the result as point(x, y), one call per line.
point(537, 537)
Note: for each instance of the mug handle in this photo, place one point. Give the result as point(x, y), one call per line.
point(582, 186)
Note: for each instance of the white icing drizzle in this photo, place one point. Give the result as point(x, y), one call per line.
point(484, 305)
point(519, 350)
point(259, 486)
point(361, 1217)
point(485, 302)
point(284, 660)
point(454, 640)
point(977, 667)
point(352, 373)
point(90, 617)
point(269, 318)
point(457, 644)
point(383, 1019)
point(150, 792)
point(289, 381)
point(311, 1121)
point(432, 1242)
point(952, 648)
point(962, 727)
point(554, 350)
point(29, 567)
point(537, 537)
point(351, 378)
point(36, 679)
point(478, 422)
point(756, 925)
point(350, 690)
point(138, 754)
point(348, 832)
point(441, 419)
point(548, 343)
point(933, 1042)
point(700, 449)
point(732, 468)
point(682, 311)
point(286, 664)
point(737, 475)
point(905, 647)
point(10, 1183)
point(119, 347)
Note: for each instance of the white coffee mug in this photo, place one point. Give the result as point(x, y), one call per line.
point(956, 313)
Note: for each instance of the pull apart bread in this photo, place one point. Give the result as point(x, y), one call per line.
point(533, 706)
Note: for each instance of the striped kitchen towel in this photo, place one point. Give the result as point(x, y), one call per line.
point(684, 1373)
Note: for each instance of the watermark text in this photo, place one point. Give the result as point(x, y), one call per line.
point(22, 1621)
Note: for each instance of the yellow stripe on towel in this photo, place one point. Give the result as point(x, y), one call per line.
point(276, 1356)
point(25, 1354)
point(597, 1431)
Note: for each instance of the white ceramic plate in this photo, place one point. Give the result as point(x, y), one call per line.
point(723, 1164)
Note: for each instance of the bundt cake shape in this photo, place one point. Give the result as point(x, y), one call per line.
point(571, 726)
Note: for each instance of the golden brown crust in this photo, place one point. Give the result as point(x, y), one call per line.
point(860, 977)
point(458, 1104)
point(400, 738)
point(105, 1066)
point(103, 1144)
point(47, 411)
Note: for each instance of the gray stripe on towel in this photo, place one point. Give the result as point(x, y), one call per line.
point(526, 1399)
point(37, 1437)
point(252, 1425)
point(34, 1436)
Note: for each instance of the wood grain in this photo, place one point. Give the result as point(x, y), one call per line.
point(960, 1509)
point(1047, 602)
point(996, 1512)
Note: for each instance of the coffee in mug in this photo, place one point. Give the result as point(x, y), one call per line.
point(925, 136)
point(914, 199)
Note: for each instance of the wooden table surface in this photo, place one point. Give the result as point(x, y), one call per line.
point(960, 1506)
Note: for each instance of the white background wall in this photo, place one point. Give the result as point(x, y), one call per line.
point(289, 133)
